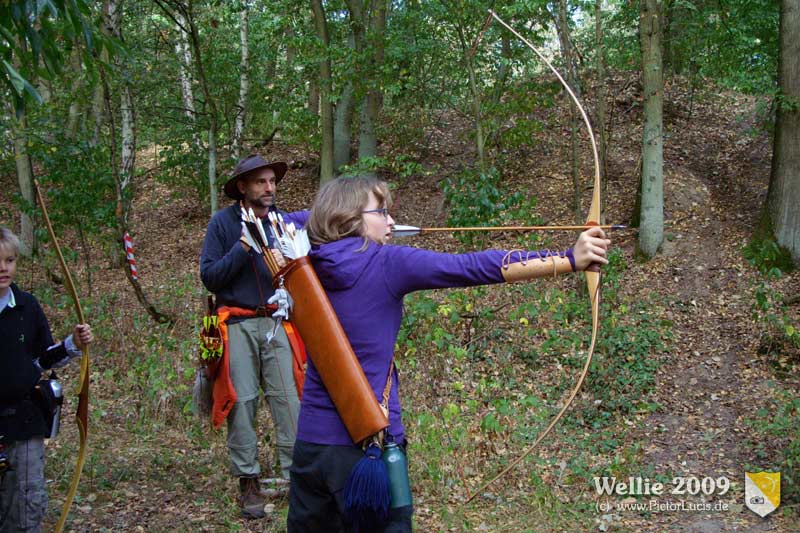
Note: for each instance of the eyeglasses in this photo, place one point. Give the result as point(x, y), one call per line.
point(383, 211)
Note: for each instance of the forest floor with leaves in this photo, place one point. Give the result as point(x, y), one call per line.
point(716, 386)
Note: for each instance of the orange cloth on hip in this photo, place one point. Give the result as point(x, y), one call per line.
point(224, 394)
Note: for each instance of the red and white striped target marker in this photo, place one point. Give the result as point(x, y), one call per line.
point(129, 254)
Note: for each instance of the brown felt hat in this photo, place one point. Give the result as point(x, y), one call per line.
point(246, 166)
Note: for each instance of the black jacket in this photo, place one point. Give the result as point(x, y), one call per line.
point(24, 337)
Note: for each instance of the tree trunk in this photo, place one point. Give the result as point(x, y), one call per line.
point(783, 197)
point(342, 129)
point(367, 138)
point(212, 164)
point(504, 69)
point(291, 52)
point(326, 107)
point(313, 96)
point(370, 112)
point(368, 26)
point(75, 107)
point(480, 140)
point(572, 80)
point(210, 103)
point(124, 174)
point(27, 236)
point(185, 61)
point(128, 135)
point(651, 232)
point(244, 85)
point(475, 97)
point(97, 109)
point(602, 89)
point(666, 32)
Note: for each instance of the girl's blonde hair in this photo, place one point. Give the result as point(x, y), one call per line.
point(336, 212)
point(8, 240)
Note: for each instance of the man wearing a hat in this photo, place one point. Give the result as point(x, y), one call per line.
point(242, 284)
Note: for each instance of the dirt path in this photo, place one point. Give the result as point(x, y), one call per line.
point(714, 380)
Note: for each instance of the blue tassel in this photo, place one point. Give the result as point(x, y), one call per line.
point(366, 494)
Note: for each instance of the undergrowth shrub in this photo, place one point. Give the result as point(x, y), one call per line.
point(779, 321)
point(477, 198)
point(776, 426)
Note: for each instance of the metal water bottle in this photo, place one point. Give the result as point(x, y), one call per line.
point(58, 394)
point(397, 468)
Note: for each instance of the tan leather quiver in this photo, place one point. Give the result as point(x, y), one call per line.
point(330, 351)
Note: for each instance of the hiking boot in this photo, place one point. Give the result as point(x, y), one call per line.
point(250, 501)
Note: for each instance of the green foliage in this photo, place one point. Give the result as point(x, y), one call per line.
point(513, 116)
point(80, 186)
point(768, 257)
point(781, 327)
point(775, 427)
point(32, 34)
point(477, 198)
point(734, 44)
point(623, 370)
point(401, 167)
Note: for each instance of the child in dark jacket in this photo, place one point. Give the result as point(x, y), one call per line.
point(27, 350)
point(365, 279)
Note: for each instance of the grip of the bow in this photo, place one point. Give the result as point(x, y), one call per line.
point(594, 267)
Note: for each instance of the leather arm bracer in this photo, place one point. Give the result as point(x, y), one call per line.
point(523, 266)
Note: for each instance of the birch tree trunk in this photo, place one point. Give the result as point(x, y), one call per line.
point(97, 110)
point(244, 84)
point(185, 61)
point(651, 230)
point(783, 198)
point(74, 113)
point(326, 107)
point(124, 174)
point(210, 102)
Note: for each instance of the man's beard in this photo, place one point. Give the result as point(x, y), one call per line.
point(264, 202)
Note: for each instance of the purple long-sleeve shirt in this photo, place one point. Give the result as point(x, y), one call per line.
point(366, 289)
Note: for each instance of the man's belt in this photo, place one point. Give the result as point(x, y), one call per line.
point(260, 311)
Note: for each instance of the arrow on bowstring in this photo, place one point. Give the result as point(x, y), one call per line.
point(402, 230)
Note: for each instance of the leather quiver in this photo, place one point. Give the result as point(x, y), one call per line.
point(330, 351)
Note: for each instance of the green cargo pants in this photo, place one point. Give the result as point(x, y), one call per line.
point(255, 365)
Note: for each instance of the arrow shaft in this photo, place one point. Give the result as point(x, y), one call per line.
point(523, 228)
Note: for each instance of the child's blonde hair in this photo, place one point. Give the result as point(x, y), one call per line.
point(336, 212)
point(8, 240)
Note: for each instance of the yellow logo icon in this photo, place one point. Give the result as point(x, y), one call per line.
point(762, 491)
